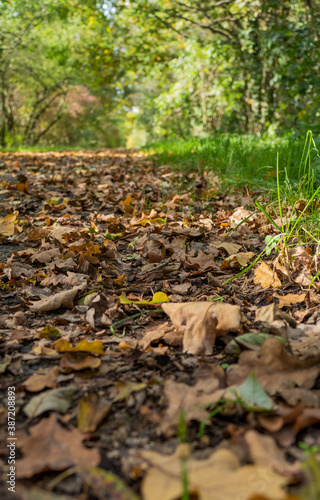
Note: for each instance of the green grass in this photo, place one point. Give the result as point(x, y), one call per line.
point(238, 160)
point(281, 174)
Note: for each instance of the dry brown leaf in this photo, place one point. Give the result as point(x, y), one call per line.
point(265, 451)
point(38, 234)
point(304, 278)
point(181, 289)
point(202, 323)
point(154, 250)
point(18, 270)
point(51, 447)
point(240, 214)
point(46, 256)
point(37, 381)
point(192, 400)
point(290, 299)
point(264, 276)
point(231, 248)
point(169, 334)
point(61, 299)
point(271, 313)
point(202, 262)
point(219, 477)
point(279, 372)
point(64, 233)
point(236, 260)
point(79, 361)
point(308, 417)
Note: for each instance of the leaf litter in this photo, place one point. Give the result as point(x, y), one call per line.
point(146, 363)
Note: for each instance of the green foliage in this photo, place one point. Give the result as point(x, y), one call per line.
point(224, 66)
point(92, 74)
point(58, 75)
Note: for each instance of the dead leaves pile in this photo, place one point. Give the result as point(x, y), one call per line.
point(98, 250)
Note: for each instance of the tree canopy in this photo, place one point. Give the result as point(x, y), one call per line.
point(90, 73)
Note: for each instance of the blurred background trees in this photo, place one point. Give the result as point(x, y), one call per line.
point(101, 74)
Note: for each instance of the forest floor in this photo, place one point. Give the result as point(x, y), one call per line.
point(133, 365)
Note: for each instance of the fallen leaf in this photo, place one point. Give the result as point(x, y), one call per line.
point(231, 248)
point(202, 323)
point(92, 410)
point(264, 276)
point(271, 313)
point(95, 347)
point(124, 389)
point(308, 417)
point(61, 299)
point(37, 381)
point(51, 447)
point(240, 259)
point(181, 289)
point(56, 399)
point(202, 262)
point(278, 372)
point(50, 332)
point(290, 299)
point(219, 477)
point(252, 395)
point(79, 361)
point(42, 350)
point(64, 233)
point(191, 400)
point(240, 214)
point(158, 298)
point(7, 224)
point(264, 451)
point(250, 341)
point(168, 334)
point(46, 256)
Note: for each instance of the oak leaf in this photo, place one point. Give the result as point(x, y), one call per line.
point(51, 447)
point(219, 477)
point(202, 323)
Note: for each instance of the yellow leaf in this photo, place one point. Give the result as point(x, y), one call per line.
point(7, 224)
point(92, 411)
point(158, 298)
point(41, 350)
point(95, 347)
point(119, 279)
point(124, 389)
point(127, 203)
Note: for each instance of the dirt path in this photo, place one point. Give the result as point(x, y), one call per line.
point(100, 373)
